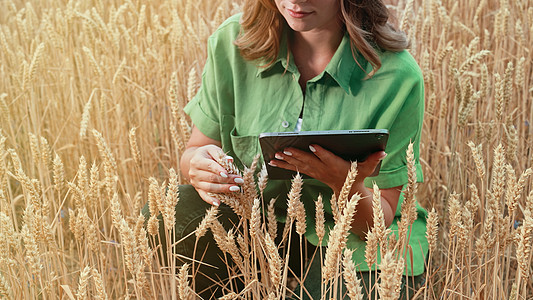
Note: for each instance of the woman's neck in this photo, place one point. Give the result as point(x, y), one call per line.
point(316, 43)
point(312, 51)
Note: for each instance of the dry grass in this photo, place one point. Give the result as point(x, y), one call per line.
point(91, 126)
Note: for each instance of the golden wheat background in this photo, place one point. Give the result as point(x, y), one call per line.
point(91, 127)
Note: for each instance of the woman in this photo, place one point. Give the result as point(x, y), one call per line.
point(287, 65)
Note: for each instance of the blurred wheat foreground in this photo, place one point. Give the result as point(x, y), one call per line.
point(92, 126)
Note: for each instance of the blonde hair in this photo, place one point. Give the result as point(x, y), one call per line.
point(366, 22)
point(262, 27)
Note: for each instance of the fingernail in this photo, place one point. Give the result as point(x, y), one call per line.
point(312, 148)
point(278, 156)
point(272, 164)
point(215, 203)
point(383, 157)
point(223, 174)
point(234, 188)
point(287, 153)
point(238, 180)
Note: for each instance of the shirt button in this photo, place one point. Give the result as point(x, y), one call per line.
point(285, 124)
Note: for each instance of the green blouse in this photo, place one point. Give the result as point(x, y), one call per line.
point(238, 100)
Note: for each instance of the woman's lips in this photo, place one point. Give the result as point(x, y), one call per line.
point(298, 14)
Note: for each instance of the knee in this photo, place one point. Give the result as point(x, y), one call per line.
point(187, 196)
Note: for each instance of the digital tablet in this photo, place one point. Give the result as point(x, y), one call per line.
point(351, 145)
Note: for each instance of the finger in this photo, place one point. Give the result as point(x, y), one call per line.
point(368, 166)
point(282, 164)
point(208, 165)
point(298, 154)
point(287, 156)
point(323, 154)
point(298, 157)
point(379, 156)
point(207, 176)
point(232, 178)
point(288, 162)
point(373, 158)
point(217, 154)
point(217, 188)
point(208, 198)
point(301, 161)
point(329, 160)
point(206, 159)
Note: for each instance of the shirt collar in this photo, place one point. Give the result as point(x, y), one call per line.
point(284, 58)
point(342, 67)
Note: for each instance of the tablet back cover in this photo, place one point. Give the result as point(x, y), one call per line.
point(351, 145)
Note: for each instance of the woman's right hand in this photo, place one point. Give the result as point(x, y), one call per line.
point(208, 176)
point(199, 165)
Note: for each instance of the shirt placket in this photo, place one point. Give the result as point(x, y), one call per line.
point(293, 106)
point(313, 105)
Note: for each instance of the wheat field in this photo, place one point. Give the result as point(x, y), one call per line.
point(92, 128)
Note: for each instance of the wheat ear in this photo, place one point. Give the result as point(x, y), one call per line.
point(353, 284)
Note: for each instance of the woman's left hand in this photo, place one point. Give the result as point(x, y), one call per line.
point(325, 166)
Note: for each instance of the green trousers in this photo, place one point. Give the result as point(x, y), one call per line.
point(213, 271)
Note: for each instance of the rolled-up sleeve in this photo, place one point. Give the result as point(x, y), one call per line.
point(404, 128)
point(204, 107)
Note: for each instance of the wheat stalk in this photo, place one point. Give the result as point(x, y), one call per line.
point(183, 282)
point(206, 221)
point(99, 285)
point(337, 239)
point(5, 289)
point(353, 283)
point(83, 282)
point(272, 222)
point(319, 219)
point(388, 278)
point(346, 188)
point(168, 209)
